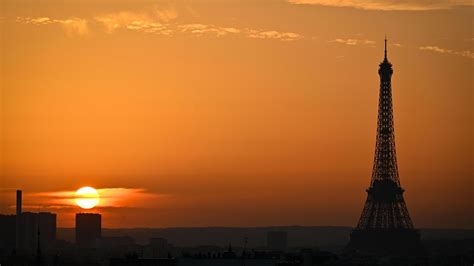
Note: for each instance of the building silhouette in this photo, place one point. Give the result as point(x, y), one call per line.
point(277, 240)
point(385, 227)
point(29, 230)
point(30, 223)
point(47, 228)
point(20, 232)
point(88, 229)
point(159, 247)
point(18, 221)
point(7, 233)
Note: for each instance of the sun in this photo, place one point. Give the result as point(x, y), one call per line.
point(87, 197)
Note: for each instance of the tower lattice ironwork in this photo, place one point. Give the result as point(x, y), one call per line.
point(385, 207)
point(385, 224)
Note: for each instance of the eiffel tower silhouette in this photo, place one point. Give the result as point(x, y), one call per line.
point(385, 227)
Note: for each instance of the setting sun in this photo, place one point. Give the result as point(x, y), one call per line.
point(87, 197)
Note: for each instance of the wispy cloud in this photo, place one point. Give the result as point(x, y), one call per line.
point(200, 29)
point(154, 23)
point(401, 5)
point(440, 50)
point(158, 22)
point(284, 36)
point(147, 22)
point(71, 25)
point(354, 42)
point(133, 21)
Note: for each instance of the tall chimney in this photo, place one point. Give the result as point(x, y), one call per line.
point(18, 202)
point(18, 219)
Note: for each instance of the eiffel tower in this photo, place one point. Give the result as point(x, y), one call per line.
point(385, 227)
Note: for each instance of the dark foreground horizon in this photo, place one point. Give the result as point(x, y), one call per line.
point(273, 245)
point(256, 235)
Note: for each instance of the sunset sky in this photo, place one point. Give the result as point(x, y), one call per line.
point(234, 113)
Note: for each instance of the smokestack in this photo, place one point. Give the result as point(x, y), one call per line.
point(18, 202)
point(18, 219)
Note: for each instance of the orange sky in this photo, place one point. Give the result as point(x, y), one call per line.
point(234, 113)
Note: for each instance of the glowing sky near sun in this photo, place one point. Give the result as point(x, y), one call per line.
point(233, 113)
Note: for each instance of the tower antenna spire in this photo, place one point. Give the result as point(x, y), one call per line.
point(385, 57)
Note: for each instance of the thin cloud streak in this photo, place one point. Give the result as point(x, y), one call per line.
point(284, 36)
point(134, 22)
point(158, 22)
point(440, 50)
point(200, 29)
point(388, 5)
point(73, 26)
point(354, 42)
point(148, 24)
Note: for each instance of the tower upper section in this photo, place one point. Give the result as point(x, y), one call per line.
point(385, 161)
